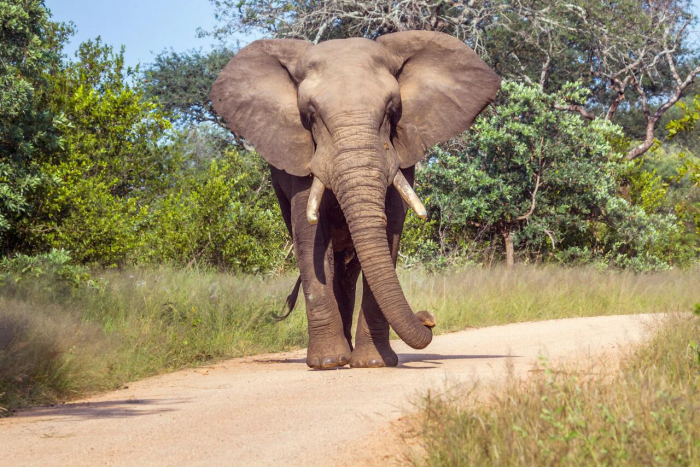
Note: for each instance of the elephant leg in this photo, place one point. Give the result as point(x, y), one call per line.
point(328, 346)
point(347, 270)
point(372, 348)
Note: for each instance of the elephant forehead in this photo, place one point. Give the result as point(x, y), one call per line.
point(341, 53)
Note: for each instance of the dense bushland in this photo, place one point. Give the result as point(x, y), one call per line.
point(125, 166)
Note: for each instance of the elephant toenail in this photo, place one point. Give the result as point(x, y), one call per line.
point(374, 363)
point(343, 360)
point(329, 362)
point(313, 363)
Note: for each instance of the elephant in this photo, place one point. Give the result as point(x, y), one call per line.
point(342, 124)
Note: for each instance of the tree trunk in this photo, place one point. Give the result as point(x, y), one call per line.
point(510, 253)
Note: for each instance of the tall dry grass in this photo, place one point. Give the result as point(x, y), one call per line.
point(485, 297)
point(59, 342)
point(645, 413)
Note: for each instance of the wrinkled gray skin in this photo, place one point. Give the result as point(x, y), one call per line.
point(351, 113)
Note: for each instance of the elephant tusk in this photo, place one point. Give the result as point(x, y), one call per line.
point(409, 195)
point(315, 196)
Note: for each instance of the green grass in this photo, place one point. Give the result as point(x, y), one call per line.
point(485, 297)
point(58, 342)
point(647, 412)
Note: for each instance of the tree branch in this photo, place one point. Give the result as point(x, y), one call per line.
point(576, 108)
point(652, 119)
point(534, 203)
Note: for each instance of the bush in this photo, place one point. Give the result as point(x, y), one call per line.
point(55, 271)
point(225, 215)
point(548, 183)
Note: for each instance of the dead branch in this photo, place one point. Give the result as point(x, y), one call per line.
point(534, 201)
point(576, 108)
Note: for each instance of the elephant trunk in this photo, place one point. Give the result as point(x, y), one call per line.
point(359, 183)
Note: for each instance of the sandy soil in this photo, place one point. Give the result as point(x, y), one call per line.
point(273, 410)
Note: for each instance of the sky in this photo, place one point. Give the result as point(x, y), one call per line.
point(145, 27)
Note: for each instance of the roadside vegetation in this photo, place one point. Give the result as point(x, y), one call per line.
point(65, 333)
point(646, 412)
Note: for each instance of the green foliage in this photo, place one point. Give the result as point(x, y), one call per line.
point(688, 119)
point(55, 269)
point(128, 187)
point(647, 189)
point(549, 180)
point(417, 242)
point(83, 182)
point(631, 238)
point(224, 216)
point(181, 82)
point(688, 174)
point(30, 50)
point(112, 161)
point(91, 162)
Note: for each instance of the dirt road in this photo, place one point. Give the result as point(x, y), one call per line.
point(272, 410)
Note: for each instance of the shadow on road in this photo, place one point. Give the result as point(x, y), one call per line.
point(124, 408)
point(280, 360)
point(403, 358)
point(435, 359)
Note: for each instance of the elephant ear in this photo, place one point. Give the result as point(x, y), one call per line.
point(444, 86)
point(257, 97)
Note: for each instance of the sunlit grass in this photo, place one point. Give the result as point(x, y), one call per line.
point(57, 346)
point(484, 297)
point(58, 343)
point(646, 412)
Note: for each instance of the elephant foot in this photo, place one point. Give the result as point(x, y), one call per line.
point(373, 356)
point(326, 357)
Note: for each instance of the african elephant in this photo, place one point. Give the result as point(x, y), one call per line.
point(342, 125)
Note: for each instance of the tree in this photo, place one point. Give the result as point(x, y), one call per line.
point(113, 161)
point(527, 172)
point(181, 82)
point(689, 207)
point(633, 55)
point(31, 47)
point(333, 19)
point(646, 54)
point(222, 213)
point(544, 184)
point(629, 51)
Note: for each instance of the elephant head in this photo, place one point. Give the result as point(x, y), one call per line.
point(351, 113)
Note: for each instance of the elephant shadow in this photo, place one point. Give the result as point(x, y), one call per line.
point(116, 408)
point(437, 359)
point(430, 358)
